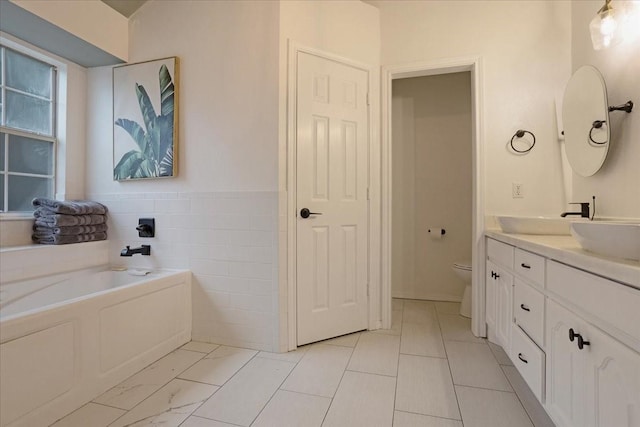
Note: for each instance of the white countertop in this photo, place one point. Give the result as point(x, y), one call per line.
point(566, 250)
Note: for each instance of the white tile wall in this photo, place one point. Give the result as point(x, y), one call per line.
point(227, 239)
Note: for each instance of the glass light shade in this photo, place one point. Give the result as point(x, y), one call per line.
point(603, 28)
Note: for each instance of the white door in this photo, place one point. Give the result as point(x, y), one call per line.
point(332, 182)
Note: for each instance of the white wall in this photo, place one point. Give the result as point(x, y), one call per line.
point(526, 57)
point(228, 101)
point(217, 217)
point(431, 154)
point(617, 185)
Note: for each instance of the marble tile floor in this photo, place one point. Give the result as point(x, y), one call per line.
point(427, 370)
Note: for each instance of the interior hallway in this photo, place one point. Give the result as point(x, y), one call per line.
point(428, 370)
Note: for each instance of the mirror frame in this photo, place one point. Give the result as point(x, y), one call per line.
point(585, 102)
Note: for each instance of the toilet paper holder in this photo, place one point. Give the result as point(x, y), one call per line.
point(442, 231)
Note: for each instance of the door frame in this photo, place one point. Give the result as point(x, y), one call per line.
point(473, 64)
point(291, 214)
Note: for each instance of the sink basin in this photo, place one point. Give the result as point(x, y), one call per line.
point(614, 239)
point(535, 225)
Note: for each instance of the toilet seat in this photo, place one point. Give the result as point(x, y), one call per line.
point(462, 265)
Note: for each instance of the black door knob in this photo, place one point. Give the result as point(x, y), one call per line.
point(305, 213)
point(572, 335)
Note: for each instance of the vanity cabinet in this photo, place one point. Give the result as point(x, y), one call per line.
point(597, 385)
point(574, 336)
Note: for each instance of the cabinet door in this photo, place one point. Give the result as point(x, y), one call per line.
point(490, 300)
point(614, 389)
point(504, 308)
point(500, 303)
point(566, 368)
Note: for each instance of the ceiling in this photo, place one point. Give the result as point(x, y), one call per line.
point(125, 7)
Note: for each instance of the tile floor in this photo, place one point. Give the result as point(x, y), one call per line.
point(428, 370)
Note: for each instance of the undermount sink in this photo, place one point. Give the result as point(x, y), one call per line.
point(614, 239)
point(535, 225)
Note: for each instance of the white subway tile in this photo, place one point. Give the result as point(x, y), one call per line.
point(250, 270)
point(250, 302)
point(180, 206)
point(213, 251)
point(259, 287)
point(238, 253)
point(207, 266)
point(208, 237)
point(205, 300)
point(220, 283)
point(263, 222)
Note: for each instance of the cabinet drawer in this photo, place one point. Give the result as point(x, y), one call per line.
point(611, 306)
point(529, 360)
point(530, 266)
point(500, 253)
point(528, 310)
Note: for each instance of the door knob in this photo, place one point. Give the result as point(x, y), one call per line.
point(304, 213)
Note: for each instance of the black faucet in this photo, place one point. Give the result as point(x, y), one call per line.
point(584, 210)
point(142, 250)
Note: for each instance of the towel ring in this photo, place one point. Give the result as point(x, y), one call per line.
point(596, 125)
point(519, 134)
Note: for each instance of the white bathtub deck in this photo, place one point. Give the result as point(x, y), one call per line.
point(428, 370)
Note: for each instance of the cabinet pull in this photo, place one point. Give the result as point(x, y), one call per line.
point(522, 358)
point(527, 266)
point(524, 307)
point(582, 342)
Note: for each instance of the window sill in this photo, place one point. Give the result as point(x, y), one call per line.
point(16, 216)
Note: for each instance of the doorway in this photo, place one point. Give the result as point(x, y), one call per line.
point(472, 65)
point(431, 185)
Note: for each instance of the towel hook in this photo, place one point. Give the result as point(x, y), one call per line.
point(519, 134)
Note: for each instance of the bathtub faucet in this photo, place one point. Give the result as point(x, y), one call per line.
point(142, 250)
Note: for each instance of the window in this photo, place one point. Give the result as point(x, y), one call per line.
point(27, 130)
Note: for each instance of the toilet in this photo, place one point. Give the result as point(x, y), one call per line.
point(463, 270)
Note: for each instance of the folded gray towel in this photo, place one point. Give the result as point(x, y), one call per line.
point(70, 207)
point(58, 239)
point(67, 231)
point(58, 220)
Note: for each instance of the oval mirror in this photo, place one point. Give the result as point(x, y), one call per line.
point(585, 113)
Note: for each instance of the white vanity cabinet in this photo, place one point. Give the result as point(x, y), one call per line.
point(596, 386)
point(556, 309)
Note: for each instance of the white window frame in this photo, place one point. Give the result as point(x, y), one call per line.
point(59, 116)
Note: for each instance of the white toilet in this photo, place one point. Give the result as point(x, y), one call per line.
point(463, 270)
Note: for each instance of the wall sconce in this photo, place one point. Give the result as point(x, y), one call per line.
point(604, 27)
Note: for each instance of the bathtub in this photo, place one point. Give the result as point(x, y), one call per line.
point(67, 338)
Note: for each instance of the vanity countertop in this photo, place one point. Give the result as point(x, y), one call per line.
point(566, 250)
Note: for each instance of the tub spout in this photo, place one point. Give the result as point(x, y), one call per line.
point(142, 250)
